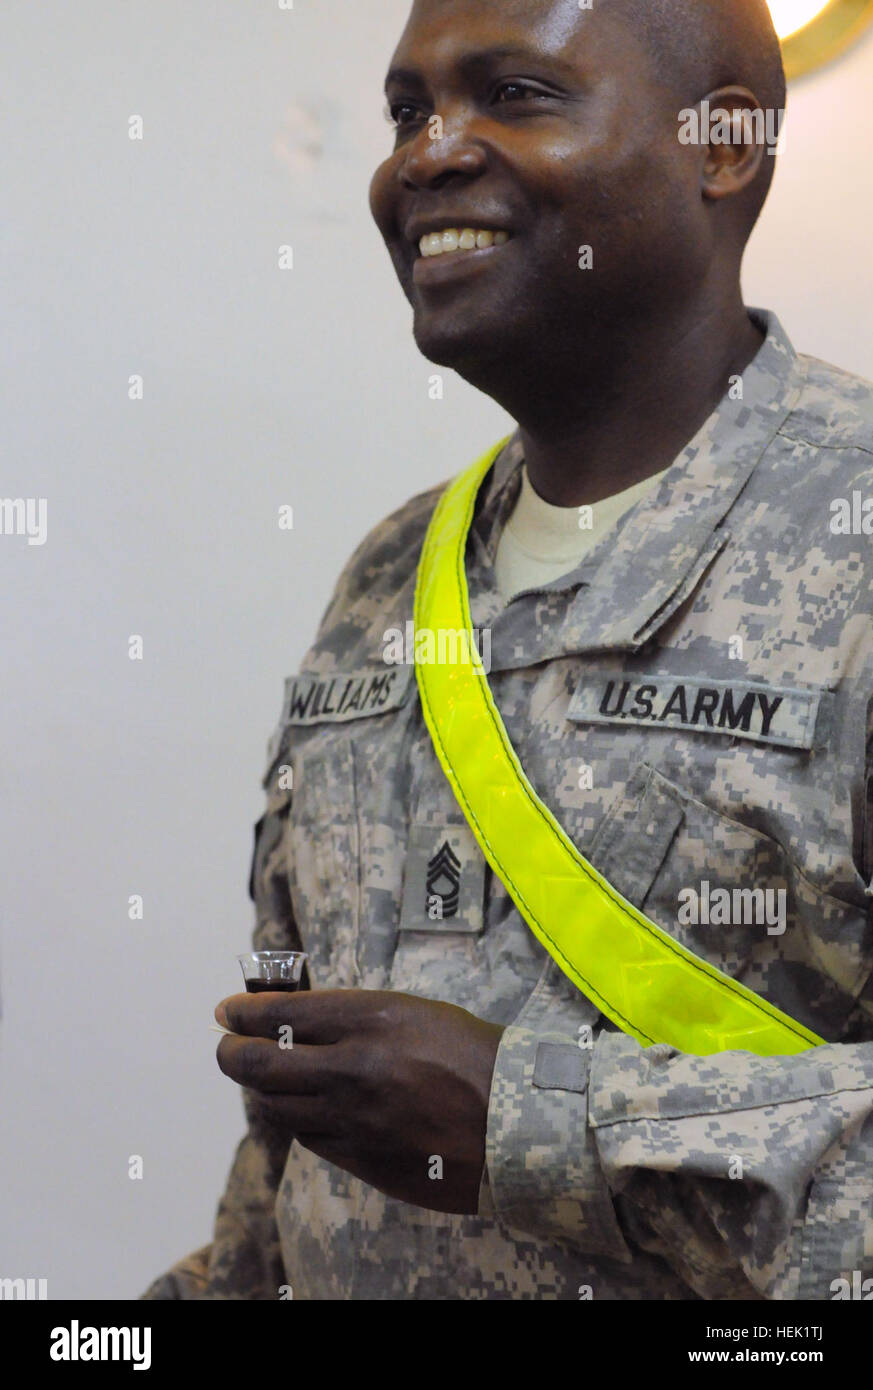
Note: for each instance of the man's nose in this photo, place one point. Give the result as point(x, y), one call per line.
point(445, 146)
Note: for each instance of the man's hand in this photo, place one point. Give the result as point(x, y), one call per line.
point(391, 1087)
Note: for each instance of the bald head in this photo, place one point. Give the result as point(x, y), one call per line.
point(698, 46)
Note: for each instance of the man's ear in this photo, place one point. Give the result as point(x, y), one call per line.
point(734, 140)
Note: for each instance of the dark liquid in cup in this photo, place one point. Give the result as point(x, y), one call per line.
point(263, 986)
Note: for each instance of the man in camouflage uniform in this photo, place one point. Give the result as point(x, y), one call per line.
point(456, 1120)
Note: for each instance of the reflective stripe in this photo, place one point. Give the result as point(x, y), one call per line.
point(636, 973)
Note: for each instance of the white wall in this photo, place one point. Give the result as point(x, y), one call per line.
point(159, 257)
point(810, 256)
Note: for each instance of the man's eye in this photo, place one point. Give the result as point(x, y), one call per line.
point(400, 113)
point(516, 91)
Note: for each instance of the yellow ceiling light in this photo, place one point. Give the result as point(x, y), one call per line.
point(815, 31)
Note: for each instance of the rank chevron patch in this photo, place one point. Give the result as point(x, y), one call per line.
point(445, 866)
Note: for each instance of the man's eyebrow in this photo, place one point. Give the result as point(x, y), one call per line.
point(403, 77)
point(471, 63)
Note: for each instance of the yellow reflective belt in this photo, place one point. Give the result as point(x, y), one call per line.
point(636, 973)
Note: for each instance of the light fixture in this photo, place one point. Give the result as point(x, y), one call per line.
point(815, 31)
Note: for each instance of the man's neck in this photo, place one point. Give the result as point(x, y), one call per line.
point(593, 432)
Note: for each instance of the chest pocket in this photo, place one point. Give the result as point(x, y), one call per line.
point(322, 841)
point(734, 897)
point(345, 840)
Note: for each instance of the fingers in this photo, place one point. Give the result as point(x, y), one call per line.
point(262, 1065)
point(289, 1115)
point(318, 1017)
point(256, 1015)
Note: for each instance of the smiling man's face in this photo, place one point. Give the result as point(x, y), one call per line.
point(556, 135)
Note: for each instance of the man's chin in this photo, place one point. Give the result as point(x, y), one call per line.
point(471, 351)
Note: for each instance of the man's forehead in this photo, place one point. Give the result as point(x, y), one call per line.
point(447, 26)
point(524, 13)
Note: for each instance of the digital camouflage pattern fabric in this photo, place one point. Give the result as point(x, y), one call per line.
point(693, 703)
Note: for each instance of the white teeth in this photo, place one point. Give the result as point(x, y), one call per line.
point(444, 243)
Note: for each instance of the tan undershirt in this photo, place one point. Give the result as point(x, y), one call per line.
point(540, 542)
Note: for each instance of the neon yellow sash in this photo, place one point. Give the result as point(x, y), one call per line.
point(636, 973)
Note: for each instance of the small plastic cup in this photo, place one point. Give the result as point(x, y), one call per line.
point(272, 970)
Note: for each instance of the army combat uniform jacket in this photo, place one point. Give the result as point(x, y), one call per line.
point(693, 703)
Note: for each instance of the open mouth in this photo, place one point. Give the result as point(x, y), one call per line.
point(456, 241)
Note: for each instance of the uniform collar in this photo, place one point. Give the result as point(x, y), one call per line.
point(630, 584)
